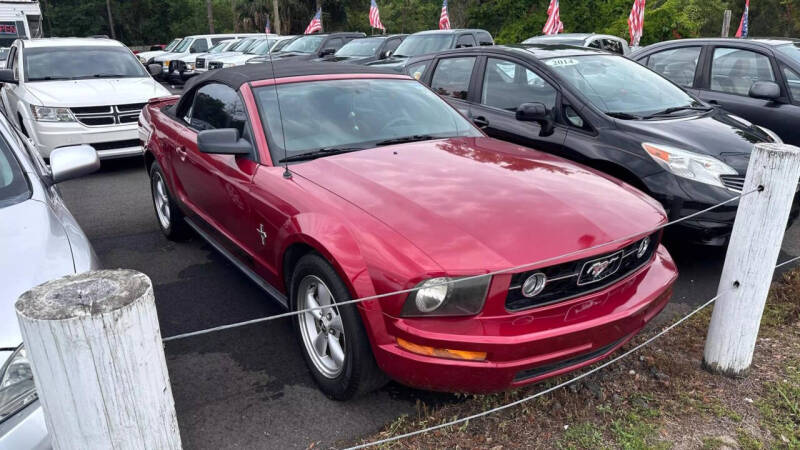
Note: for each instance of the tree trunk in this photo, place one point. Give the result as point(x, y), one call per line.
point(210, 10)
point(234, 17)
point(276, 16)
point(110, 20)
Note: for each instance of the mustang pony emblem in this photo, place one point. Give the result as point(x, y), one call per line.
point(598, 268)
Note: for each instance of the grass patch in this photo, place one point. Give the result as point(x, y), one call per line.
point(780, 408)
point(582, 435)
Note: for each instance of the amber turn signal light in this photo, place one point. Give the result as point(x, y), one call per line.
point(441, 352)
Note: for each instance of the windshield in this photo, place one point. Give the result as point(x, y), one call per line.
point(305, 44)
point(354, 114)
point(219, 48)
point(360, 47)
point(73, 63)
point(422, 44)
point(791, 50)
point(281, 44)
point(172, 45)
point(13, 186)
point(243, 45)
point(615, 84)
point(262, 48)
point(184, 45)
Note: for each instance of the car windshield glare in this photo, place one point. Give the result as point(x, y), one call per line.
point(262, 48)
point(422, 44)
point(353, 114)
point(13, 186)
point(80, 62)
point(243, 45)
point(615, 84)
point(360, 47)
point(791, 50)
point(183, 46)
point(305, 44)
point(172, 45)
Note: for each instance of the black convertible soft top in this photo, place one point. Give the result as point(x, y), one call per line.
point(235, 77)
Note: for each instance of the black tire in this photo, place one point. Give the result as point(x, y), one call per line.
point(360, 373)
point(175, 228)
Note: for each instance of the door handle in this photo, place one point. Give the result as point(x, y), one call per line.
point(181, 153)
point(480, 122)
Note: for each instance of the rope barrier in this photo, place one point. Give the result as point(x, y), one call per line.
point(458, 280)
point(560, 385)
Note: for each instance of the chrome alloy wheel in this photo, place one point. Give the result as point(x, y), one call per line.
point(161, 200)
point(321, 329)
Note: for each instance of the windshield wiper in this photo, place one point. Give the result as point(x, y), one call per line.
point(320, 153)
point(623, 115)
point(673, 109)
point(109, 75)
point(403, 140)
point(49, 78)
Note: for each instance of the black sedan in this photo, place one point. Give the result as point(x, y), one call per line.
point(310, 46)
point(366, 50)
point(433, 41)
point(609, 113)
point(757, 79)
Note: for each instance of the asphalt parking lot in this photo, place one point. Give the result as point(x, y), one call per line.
point(248, 387)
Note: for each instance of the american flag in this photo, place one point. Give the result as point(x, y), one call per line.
point(375, 16)
point(315, 24)
point(636, 22)
point(444, 19)
point(266, 27)
point(553, 24)
point(744, 24)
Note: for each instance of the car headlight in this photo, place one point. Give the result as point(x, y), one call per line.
point(226, 65)
point(17, 389)
point(189, 66)
point(50, 114)
point(447, 297)
point(774, 137)
point(166, 64)
point(691, 165)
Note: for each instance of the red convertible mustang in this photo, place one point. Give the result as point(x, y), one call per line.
point(331, 182)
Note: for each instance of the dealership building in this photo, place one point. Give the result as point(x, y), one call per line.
point(19, 19)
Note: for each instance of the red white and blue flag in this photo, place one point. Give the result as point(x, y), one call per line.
point(315, 24)
point(444, 19)
point(553, 24)
point(375, 16)
point(744, 24)
point(636, 22)
point(266, 27)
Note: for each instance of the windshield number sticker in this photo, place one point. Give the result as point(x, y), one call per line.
point(561, 62)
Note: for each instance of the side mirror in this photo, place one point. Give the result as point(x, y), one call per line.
point(766, 90)
point(154, 69)
point(73, 162)
point(7, 76)
point(385, 54)
point(327, 51)
point(223, 141)
point(536, 112)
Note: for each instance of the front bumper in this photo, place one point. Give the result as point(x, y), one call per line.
point(531, 345)
point(112, 141)
point(682, 197)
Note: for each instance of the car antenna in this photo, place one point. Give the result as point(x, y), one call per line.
point(286, 173)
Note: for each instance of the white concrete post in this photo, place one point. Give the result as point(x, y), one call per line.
point(98, 362)
point(752, 254)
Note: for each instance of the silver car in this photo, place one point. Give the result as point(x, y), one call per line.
point(39, 241)
point(605, 42)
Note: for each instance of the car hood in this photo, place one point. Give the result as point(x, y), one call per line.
point(236, 58)
point(169, 56)
point(293, 55)
point(478, 203)
point(716, 134)
point(31, 229)
point(96, 92)
point(391, 63)
point(150, 54)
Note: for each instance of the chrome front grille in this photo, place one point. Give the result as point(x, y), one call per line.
point(96, 116)
point(574, 279)
point(733, 182)
point(200, 63)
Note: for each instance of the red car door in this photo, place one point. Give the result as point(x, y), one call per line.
point(215, 187)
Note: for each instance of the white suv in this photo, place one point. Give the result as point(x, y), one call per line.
point(181, 60)
point(69, 91)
